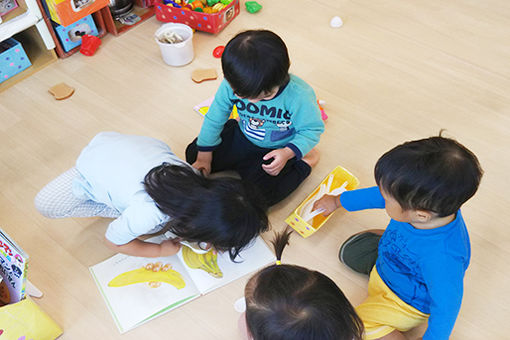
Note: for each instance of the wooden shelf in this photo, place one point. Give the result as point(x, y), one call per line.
point(39, 56)
point(61, 53)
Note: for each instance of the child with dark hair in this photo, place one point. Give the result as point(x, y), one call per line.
point(279, 120)
point(287, 302)
point(417, 264)
point(139, 181)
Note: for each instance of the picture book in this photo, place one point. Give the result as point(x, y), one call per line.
point(138, 289)
point(203, 107)
point(13, 270)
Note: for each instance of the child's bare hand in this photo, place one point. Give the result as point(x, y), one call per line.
point(280, 158)
point(204, 168)
point(327, 203)
point(203, 162)
point(169, 247)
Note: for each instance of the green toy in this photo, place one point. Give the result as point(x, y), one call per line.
point(253, 6)
point(226, 2)
point(211, 3)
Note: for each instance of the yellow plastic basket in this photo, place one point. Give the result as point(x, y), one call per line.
point(25, 320)
point(305, 229)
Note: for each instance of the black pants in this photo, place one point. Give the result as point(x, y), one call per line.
point(237, 153)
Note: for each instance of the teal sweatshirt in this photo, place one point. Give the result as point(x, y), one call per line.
point(292, 118)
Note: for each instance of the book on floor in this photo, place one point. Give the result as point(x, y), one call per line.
point(138, 289)
point(13, 270)
point(203, 108)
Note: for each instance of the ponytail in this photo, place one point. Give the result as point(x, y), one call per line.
point(279, 242)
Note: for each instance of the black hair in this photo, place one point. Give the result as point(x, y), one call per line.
point(224, 212)
point(435, 174)
point(254, 62)
point(287, 302)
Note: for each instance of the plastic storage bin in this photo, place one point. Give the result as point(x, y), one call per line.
point(66, 12)
point(70, 36)
point(339, 177)
point(25, 320)
point(13, 59)
point(206, 22)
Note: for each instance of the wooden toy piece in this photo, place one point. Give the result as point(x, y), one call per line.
point(200, 75)
point(303, 219)
point(61, 91)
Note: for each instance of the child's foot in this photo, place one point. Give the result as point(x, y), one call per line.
point(312, 157)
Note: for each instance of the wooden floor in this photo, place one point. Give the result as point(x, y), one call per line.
point(396, 71)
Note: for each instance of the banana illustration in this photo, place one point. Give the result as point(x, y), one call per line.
point(207, 262)
point(153, 274)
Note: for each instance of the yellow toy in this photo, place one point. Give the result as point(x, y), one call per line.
point(303, 219)
point(25, 320)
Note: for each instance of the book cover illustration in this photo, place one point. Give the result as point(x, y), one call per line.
point(13, 269)
point(138, 289)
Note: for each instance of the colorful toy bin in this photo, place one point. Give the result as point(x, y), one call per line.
point(338, 180)
point(66, 12)
point(206, 22)
point(70, 36)
point(13, 59)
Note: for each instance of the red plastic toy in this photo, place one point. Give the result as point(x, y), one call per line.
point(89, 44)
point(205, 22)
point(320, 102)
point(218, 51)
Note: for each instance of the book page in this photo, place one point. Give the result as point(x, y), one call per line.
point(250, 260)
point(131, 297)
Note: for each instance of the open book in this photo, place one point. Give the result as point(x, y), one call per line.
point(13, 270)
point(138, 289)
point(203, 108)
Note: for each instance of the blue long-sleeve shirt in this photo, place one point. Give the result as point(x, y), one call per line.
point(292, 118)
point(424, 267)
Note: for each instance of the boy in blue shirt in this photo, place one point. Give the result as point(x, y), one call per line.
point(279, 119)
point(417, 264)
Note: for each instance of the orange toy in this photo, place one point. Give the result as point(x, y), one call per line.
point(197, 4)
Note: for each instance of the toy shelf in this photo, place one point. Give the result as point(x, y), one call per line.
point(23, 17)
point(115, 27)
point(36, 51)
point(98, 19)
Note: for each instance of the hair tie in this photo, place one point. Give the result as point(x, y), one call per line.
point(278, 262)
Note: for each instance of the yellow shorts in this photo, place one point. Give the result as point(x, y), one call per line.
point(382, 311)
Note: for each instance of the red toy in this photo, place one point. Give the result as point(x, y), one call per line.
point(218, 51)
point(89, 44)
point(206, 22)
point(321, 102)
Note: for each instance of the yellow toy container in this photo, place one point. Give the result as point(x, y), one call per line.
point(340, 177)
point(25, 320)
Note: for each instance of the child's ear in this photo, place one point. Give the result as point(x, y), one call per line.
point(423, 215)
